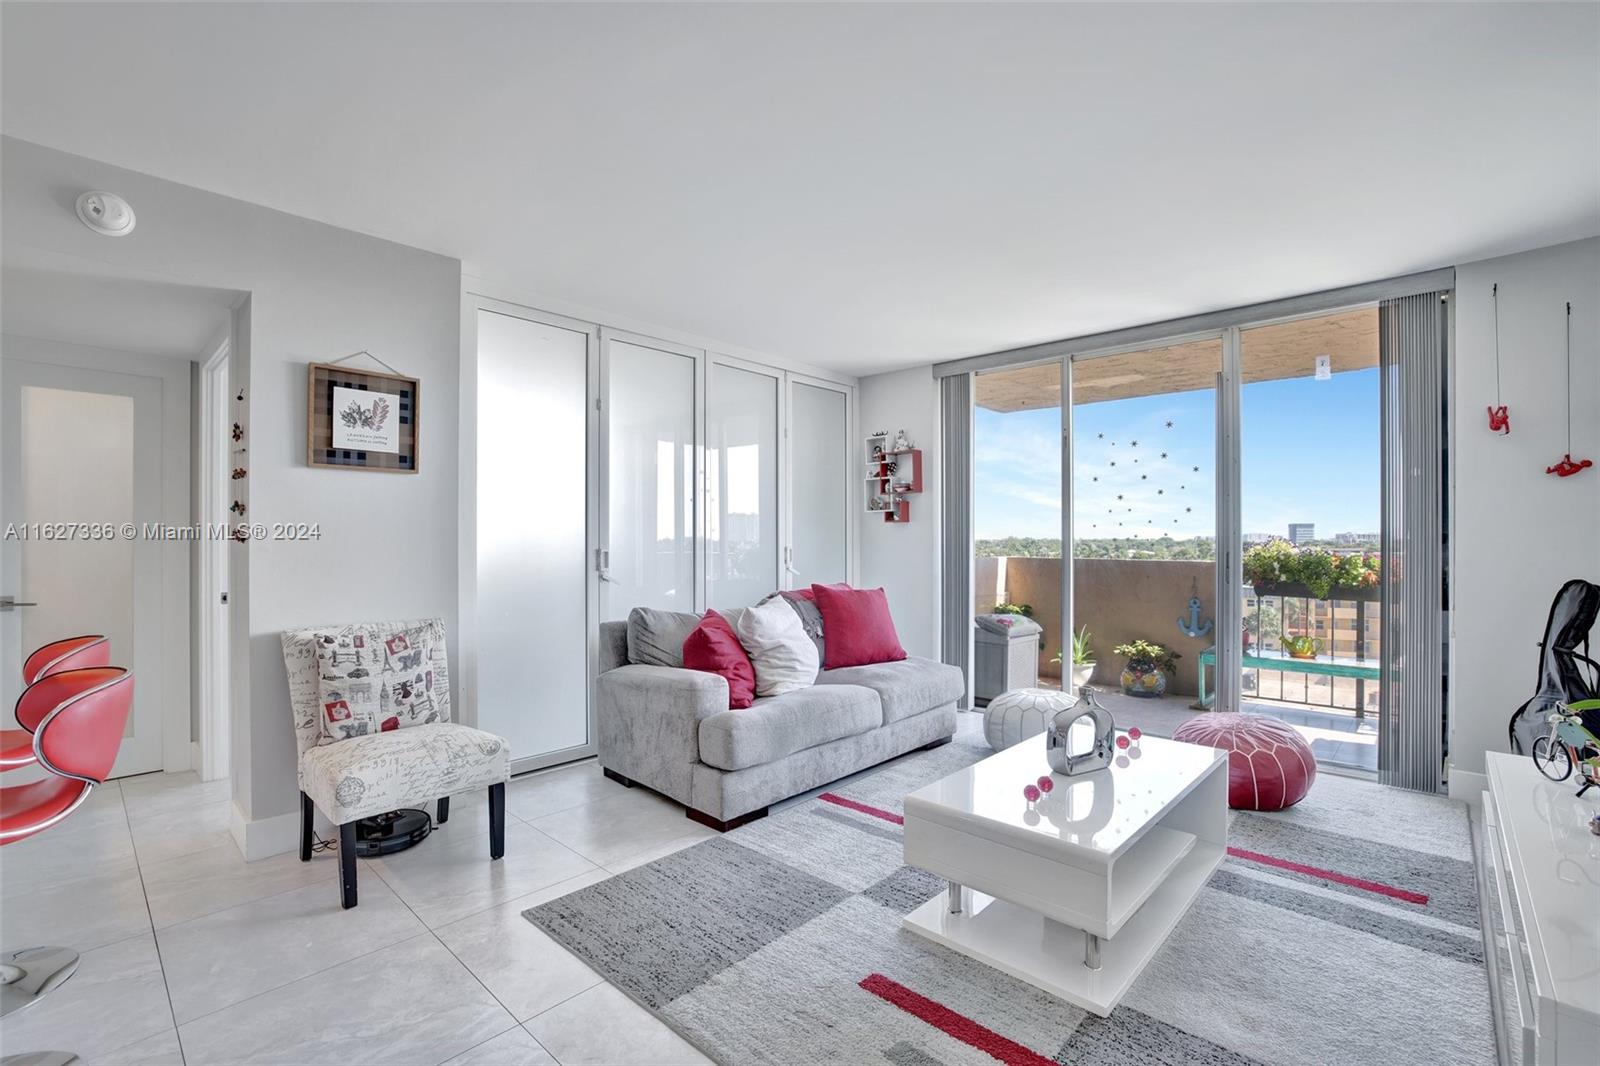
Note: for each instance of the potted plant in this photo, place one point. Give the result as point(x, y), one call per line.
point(1302, 647)
point(1278, 568)
point(1148, 666)
point(1024, 609)
point(1083, 663)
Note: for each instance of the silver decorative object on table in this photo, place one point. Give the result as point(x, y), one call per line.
point(1058, 746)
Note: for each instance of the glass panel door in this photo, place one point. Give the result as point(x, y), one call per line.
point(1144, 448)
point(1311, 502)
point(533, 568)
point(821, 478)
point(1016, 525)
point(741, 485)
point(650, 474)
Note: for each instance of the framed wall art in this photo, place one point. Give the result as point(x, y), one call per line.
point(360, 419)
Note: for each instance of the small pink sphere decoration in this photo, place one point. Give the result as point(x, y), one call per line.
point(1134, 732)
point(1122, 742)
point(1046, 783)
point(1030, 793)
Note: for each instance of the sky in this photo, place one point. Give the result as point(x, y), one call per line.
point(1147, 466)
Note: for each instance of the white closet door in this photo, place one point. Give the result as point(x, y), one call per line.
point(820, 481)
point(742, 428)
point(533, 572)
point(650, 467)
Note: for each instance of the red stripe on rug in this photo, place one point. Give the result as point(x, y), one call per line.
point(1329, 875)
point(876, 812)
point(948, 1021)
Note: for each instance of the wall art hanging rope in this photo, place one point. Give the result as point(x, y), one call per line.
point(1499, 419)
point(1569, 466)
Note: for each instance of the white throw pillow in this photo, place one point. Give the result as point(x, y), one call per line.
point(784, 657)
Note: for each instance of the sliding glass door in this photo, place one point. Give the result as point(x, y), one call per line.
point(1144, 529)
point(742, 431)
point(1311, 501)
point(821, 483)
point(651, 467)
point(533, 581)
point(1016, 523)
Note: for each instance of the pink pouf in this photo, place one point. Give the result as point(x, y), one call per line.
point(1270, 765)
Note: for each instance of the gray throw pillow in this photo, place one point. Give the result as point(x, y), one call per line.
point(655, 637)
point(810, 619)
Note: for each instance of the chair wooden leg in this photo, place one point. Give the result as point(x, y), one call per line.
point(444, 810)
point(306, 809)
point(347, 865)
point(497, 820)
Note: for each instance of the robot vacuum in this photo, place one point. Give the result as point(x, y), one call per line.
point(385, 834)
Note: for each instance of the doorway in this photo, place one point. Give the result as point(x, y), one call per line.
point(82, 499)
point(215, 510)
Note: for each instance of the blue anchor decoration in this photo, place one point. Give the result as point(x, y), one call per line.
point(1193, 627)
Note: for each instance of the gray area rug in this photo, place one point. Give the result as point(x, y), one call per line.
point(1342, 931)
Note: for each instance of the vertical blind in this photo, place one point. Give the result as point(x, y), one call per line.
point(1411, 356)
point(955, 545)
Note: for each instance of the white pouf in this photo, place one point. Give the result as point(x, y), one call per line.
point(1021, 713)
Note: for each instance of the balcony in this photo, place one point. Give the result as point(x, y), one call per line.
point(1120, 600)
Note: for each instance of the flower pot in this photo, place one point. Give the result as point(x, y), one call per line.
point(1302, 655)
point(1295, 591)
point(1081, 673)
point(1144, 680)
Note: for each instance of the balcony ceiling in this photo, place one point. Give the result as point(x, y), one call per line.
point(1284, 350)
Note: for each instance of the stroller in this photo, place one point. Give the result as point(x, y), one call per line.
point(1565, 675)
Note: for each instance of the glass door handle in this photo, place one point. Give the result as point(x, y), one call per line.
point(11, 603)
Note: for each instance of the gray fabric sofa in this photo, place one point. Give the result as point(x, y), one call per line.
point(670, 729)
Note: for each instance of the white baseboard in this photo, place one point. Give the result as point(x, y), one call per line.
point(195, 762)
point(265, 837)
point(1466, 786)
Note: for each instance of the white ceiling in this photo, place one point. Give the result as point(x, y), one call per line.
point(145, 317)
point(861, 187)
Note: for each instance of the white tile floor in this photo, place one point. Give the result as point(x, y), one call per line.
point(191, 955)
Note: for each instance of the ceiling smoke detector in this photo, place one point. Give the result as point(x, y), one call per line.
point(106, 213)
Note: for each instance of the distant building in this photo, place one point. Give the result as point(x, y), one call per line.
point(1302, 532)
point(1259, 538)
point(1356, 538)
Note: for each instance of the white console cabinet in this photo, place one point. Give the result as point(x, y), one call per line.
point(1544, 872)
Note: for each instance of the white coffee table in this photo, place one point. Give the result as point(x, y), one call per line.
point(1074, 893)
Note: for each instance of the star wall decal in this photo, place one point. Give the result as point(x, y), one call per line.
point(1197, 470)
point(1169, 423)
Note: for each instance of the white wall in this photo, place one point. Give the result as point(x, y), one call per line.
point(388, 545)
point(1518, 532)
point(904, 557)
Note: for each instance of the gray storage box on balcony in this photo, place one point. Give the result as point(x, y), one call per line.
point(1006, 653)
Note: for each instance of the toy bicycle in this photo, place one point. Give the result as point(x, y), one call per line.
point(1568, 744)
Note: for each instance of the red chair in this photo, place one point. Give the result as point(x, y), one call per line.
point(16, 745)
point(76, 741)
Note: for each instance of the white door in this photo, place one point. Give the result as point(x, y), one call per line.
point(534, 578)
point(821, 484)
point(650, 536)
point(80, 476)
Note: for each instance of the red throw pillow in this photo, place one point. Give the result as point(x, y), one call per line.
point(856, 626)
point(714, 647)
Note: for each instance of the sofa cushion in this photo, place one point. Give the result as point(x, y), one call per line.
point(655, 637)
point(908, 687)
point(859, 628)
point(714, 648)
point(784, 657)
point(773, 727)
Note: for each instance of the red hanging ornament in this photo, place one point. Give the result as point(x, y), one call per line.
point(1569, 466)
point(1499, 416)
